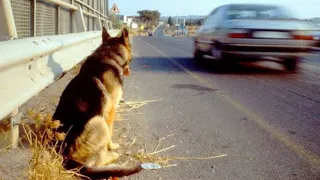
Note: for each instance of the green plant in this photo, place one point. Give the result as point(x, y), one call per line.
point(115, 22)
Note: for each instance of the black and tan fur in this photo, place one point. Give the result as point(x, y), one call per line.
point(87, 109)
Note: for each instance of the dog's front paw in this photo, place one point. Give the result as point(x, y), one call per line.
point(113, 146)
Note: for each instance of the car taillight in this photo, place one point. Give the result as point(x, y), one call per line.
point(303, 37)
point(238, 35)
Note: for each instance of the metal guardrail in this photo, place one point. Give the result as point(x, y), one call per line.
point(29, 65)
point(40, 40)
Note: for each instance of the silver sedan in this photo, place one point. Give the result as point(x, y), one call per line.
point(255, 32)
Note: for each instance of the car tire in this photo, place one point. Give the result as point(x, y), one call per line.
point(198, 57)
point(197, 54)
point(222, 57)
point(291, 64)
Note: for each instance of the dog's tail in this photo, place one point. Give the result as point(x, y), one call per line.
point(104, 172)
point(111, 170)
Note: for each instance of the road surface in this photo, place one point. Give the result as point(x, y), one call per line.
point(265, 120)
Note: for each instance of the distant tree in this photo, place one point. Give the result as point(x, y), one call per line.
point(170, 22)
point(200, 22)
point(190, 22)
point(149, 16)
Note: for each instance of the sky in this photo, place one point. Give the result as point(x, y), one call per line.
point(301, 8)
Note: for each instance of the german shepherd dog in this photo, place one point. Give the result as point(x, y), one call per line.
point(87, 109)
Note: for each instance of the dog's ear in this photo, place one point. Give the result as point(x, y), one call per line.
point(125, 36)
point(105, 35)
point(126, 71)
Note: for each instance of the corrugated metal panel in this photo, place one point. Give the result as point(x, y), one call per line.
point(93, 23)
point(84, 7)
point(74, 26)
point(90, 24)
point(65, 21)
point(101, 6)
point(94, 6)
point(22, 17)
point(46, 18)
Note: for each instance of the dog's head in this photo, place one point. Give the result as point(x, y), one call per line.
point(120, 46)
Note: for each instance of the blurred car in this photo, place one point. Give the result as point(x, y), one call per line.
point(150, 33)
point(255, 32)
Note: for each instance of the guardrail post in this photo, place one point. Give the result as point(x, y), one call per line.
point(98, 23)
point(8, 29)
point(106, 25)
point(9, 134)
point(106, 7)
point(58, 19)
point(72, 18)
point(81, 26)
point(34, 17)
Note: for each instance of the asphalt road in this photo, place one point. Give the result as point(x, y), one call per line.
point(159, 32)
point(264, 119)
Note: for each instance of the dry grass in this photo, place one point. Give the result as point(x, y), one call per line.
point(46, 162)
point(76, 69)
point(133, 105)
point(165, 161)
point(130, 108)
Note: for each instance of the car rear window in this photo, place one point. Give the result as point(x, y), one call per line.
point(258, 12)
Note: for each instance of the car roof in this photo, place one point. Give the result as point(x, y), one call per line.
point(254, 5)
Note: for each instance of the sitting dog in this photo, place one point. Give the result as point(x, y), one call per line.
point(87, 109)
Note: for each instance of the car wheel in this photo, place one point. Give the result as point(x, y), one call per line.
point(219, 55)
point(198, 57)
point(291, 64)
point(197, 54)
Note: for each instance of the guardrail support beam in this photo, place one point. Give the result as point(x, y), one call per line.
point(9, 134)
point(98, 23)
point(34, 17)
point(106, 25)
point(78, 15)
point(8, 29)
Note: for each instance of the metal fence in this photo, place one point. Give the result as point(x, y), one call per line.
point(52, 17)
